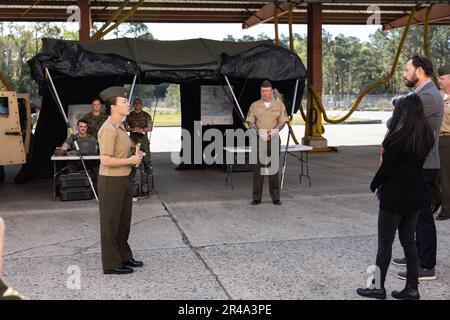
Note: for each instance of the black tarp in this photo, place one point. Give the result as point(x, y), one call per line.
point(81, 70)
point(167, 61)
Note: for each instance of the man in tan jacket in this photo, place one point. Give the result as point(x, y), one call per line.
point(444, 145)
point(267, 117)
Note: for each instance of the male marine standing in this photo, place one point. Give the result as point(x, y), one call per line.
point(444, 145)
point(267, 117)
point(139, 122)
point(95, 118)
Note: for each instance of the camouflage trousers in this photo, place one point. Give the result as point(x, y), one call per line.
point(146, 168)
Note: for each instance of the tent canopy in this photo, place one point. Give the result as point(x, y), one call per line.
point(167, 61)
point(81, 70)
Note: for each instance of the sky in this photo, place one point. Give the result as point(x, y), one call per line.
point(218, 31)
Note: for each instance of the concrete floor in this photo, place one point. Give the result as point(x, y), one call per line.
point(202, 240)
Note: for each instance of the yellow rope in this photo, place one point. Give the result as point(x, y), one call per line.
point(426, 46)
point(5, 82)
point(291, 130)
point(291, 47)
point(30, 7)
point(367, 90)
point(275, 16)
point(115, 15)
point(121, 20)
point(291, 34)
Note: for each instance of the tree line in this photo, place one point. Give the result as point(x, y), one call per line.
point(349, 64)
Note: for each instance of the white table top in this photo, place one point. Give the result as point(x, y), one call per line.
point(296, 147)
point(60, 158)
point(292, 148)
point(238, 149)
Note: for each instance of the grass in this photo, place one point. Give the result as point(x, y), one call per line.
point(171, 119)
point(167, 119)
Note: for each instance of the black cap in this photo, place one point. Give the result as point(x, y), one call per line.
point(444, 70)
point(111, 92)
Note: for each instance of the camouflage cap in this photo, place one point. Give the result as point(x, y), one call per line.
point(444, 70)
point(111, 92)
point(266, 84)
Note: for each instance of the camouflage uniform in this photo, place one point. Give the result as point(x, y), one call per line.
point(91, 165)
point(141, 120)
point(94, 123)
point(88, 139)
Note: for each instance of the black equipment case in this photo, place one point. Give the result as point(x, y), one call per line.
point(74, 186)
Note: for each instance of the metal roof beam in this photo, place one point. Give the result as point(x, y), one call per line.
point(439, 13)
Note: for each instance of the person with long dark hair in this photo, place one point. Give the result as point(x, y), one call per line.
point(399, 186)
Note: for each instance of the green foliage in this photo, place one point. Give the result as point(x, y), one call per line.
point(350, 65)
point(138, 30)
point(18, 43)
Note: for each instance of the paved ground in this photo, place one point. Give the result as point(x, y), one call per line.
point(202, 240)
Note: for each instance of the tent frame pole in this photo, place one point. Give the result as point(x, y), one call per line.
point(69, 129)
point(132, 88)
point(289, 136)
point(237, 102)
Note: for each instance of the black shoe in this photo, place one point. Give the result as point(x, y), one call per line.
point(372, 293)
point(424, 274)
point(406, 294)
point(255, 202)
point(133, 263)
point(277, 202)
point(399, 262)
point(442, 217)
point(123, 270)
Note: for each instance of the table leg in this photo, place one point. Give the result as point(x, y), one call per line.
point(54, 180)
point(304, 164)
point(231, 176)
point(227, 175)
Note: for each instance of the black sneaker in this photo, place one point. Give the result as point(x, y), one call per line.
point(399, 262)
point(441, 217)
point(424, 274)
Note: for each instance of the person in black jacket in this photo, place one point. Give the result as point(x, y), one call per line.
point(399, 186)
